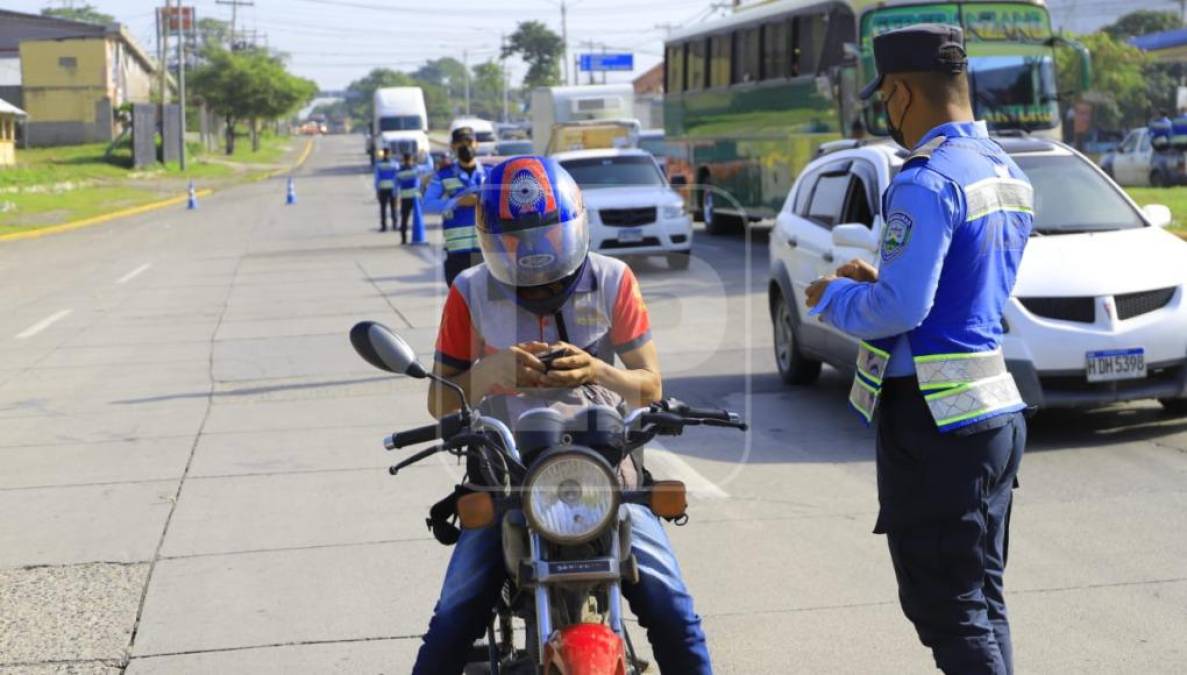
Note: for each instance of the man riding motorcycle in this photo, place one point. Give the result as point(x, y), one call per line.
point(511, 329)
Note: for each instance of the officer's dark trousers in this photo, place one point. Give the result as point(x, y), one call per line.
point(456, 263)
point(387, 203)
point(406, 204)
point(945, 509)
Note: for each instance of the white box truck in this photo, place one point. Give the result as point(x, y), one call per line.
point(400, 122)
point(558, 106)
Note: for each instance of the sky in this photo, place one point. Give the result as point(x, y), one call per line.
point(336, 41)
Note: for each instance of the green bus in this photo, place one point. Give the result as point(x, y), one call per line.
point(750, 98)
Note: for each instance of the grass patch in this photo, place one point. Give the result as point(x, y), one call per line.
point(1174, 198)
point(33, 210)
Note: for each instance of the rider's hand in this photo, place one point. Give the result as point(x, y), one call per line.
point(575, 368)
point(514, 368)
point(858, 270)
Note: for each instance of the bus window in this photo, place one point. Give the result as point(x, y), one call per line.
point(719, 60)
point(776, 45)
point(841, 28)
point(746, 55)
point(809, 41)
point(696, 65)
point(674, 62)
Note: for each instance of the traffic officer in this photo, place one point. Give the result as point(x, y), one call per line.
point(453, 192)
point(385, 188)
point(408, 179)
point(950, 433)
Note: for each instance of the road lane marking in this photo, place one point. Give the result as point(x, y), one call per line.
point(670, 466)
point(133, 274)
point(43, 324)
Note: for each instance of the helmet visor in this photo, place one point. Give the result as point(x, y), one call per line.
point(537, 255)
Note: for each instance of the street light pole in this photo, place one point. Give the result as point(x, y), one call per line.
point(181, 79)
point(466, 64)
point(565, 38)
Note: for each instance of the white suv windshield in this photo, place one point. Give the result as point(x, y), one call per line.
point(1071, 196)
point(604, 172)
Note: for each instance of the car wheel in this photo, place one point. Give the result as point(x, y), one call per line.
point(679, 261)
point(1174, 406)
point(794, 367)
point(1156, 179)
point(715, 223)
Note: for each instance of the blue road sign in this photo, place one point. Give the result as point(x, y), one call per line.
point(598, 62)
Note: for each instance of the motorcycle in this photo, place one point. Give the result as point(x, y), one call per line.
point(553, 487)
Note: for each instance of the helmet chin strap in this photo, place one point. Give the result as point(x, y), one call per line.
point(553, 303)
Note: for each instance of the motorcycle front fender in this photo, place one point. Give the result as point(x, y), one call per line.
point(586, 649)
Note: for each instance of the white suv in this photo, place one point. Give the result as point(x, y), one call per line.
point(632, 209)
point(1098, 312)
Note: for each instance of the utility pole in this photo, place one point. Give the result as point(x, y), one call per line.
point(163, 48)
point(565, 38)
point(234, 14)
point(466, 63)
point(503, 73)
point(589, 44)
point(181, 77)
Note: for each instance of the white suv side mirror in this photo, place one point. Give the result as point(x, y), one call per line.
point(855, 235)
point(1158, 214)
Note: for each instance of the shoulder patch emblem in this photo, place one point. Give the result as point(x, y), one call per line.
point(895, 235)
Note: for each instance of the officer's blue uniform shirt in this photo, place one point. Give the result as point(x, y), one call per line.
point(922, 208)
point(385, 174)
point(438, 199)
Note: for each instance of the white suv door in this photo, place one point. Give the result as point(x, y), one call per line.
point(1131, 164)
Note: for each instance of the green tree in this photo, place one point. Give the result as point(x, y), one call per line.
point(486, 90)
point(1142, 22)
point(446, 72)
point(250, 86)
point(541, 48)
point(85, 13)
point(1119, 93)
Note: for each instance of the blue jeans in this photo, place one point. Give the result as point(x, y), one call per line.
point(475, 578)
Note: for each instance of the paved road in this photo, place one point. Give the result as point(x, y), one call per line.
point(191, 479)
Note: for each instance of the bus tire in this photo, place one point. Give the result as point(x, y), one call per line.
point(1156, 179)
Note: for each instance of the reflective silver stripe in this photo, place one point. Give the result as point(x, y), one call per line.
point(386, 184)
point(871, 362)
point(451, 184)
point(864, 398)
point(949, 370)
point(461, 238)
point(998, 194)
point(405, 175)
point(410, 192)
point(967, 401)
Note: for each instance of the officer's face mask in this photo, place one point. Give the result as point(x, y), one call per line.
point(464, 152)
point(896, 129)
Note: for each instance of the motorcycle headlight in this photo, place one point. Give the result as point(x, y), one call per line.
point(571, 498)
point(673, 211)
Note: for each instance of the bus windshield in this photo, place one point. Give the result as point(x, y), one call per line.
point(1011, 62)
point(401, 123)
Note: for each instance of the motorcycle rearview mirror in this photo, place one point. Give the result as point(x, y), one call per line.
point(383, 348)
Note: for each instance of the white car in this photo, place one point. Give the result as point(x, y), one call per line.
point(1097, 314)
point(484, 133)
point(632, 210)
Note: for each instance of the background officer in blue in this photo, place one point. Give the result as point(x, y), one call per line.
point(385, 188)
point(453, 193)
point(950, 432)
point(408, 180)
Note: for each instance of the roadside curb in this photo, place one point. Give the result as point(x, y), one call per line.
point(145, 208)
point(102, 218)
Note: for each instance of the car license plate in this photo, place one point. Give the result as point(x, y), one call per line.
point(1116, 364)
point(630, 235)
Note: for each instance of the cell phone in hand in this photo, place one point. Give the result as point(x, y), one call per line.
point(551, 355)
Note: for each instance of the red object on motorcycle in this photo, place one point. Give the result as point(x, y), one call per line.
point(585, 649)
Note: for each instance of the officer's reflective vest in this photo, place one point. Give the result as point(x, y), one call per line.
point(458, 228)
point(957, 348)
point(385, 176)
point(409, 182)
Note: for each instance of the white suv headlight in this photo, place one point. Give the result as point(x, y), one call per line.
point(570, 498)
point(672, 211)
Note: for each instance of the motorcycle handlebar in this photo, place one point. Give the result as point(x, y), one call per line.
point(448, 426)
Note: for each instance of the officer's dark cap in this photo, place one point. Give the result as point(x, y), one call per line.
point(462, 134)
point(922, 48)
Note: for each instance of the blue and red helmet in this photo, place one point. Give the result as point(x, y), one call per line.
point(531, 222)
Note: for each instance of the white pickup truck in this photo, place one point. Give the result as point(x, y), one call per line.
point(1140, 161)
